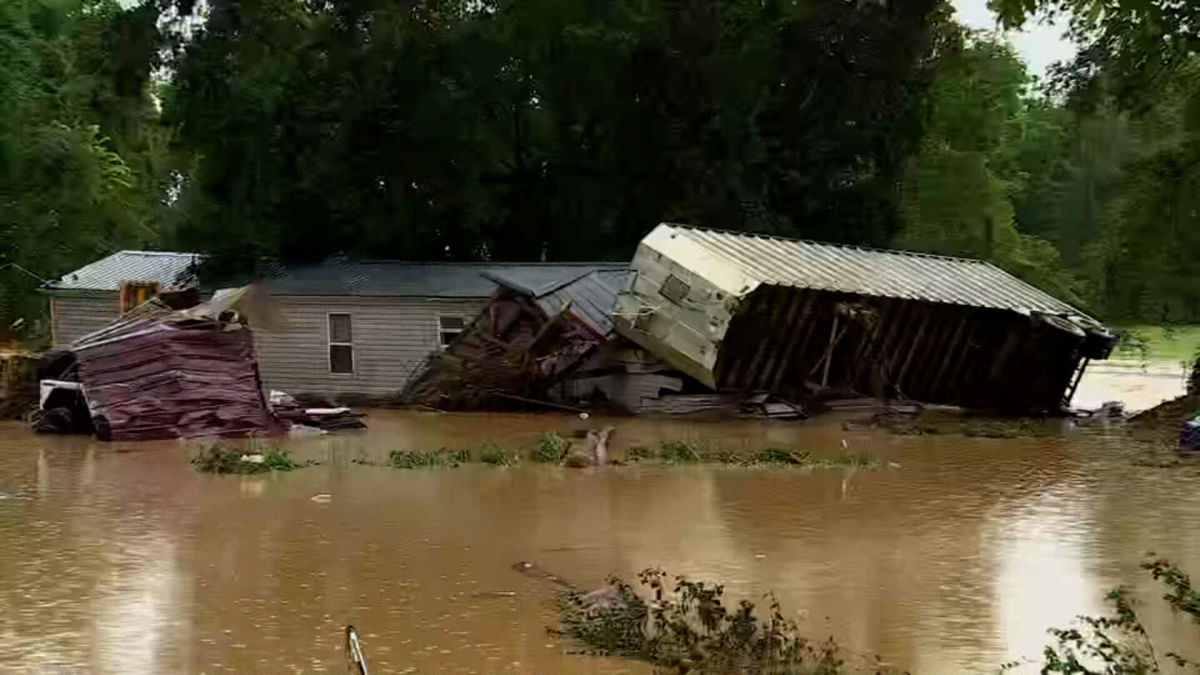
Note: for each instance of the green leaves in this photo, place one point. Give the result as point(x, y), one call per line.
point(519, 130)
point(78, 154)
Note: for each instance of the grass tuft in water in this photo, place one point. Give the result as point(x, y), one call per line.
point(674, 452)
point(780, 456)
point(495, 455)
point(681, 451)
point(427, 459)
point(258, 457)
point(549, 449)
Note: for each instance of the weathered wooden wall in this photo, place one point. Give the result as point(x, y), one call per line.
point(938, 353)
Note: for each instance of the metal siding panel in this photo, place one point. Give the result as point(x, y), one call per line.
point(76, 317)
point(392, 339)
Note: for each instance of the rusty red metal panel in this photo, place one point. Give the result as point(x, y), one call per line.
point(176, 381)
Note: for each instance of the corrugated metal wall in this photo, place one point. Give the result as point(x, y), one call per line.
point(392, 338)
point(75, 317)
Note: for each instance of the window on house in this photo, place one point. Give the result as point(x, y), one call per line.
point(449, 328)
point(341, 344)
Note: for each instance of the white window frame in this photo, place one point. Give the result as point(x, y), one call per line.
point(330, 344)
point(440, 330)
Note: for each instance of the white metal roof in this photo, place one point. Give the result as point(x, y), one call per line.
point(740, 262)
point(106, 274)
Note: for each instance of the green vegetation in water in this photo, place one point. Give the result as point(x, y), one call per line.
point(1119, 643)
point(257, 458)
point(495, 455)
point(428, 459)
point(686, 627)
point(1159, 343)
point(549, 449)
point(684, 452)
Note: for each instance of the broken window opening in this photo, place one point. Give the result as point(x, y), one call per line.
point(675, 289)
point(449, 328)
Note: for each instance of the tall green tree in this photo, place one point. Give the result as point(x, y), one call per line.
point(990, 149)
point(531, 128)
point(77, 145)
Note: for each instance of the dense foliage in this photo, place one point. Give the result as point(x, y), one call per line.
point(80, 144)
point(565, 129)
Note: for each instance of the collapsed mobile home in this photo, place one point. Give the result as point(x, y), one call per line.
point(742, 312)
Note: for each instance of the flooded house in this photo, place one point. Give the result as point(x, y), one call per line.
point(744, 312)
point(336, 329)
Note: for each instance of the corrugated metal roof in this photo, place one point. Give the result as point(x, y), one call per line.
point(424, 279)
point(592, 298)
point(106, 274)
point(752, 259)
point(342, 277)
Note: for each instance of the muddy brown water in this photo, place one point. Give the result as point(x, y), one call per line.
point(955, 558)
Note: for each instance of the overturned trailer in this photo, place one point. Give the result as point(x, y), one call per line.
point(742, 312)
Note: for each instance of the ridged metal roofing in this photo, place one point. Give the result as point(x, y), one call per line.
point(593, 298)
point(590, 293)
point(424, 279)
point(851, 269)
point(106, 274)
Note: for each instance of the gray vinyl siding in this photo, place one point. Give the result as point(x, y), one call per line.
point(74, 317)
point(392, 337)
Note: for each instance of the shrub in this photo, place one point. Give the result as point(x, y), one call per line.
point(549, 449)
point(686, 627)
point(496, 456)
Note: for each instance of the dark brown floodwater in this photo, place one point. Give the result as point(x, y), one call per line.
point(120, 558)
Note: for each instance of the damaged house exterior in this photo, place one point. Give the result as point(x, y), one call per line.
point(335, 329)
point(699, 319)
point(741, 312)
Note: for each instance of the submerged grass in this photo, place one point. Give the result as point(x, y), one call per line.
point(550, 448)
point(427, 459)
point(683, 452)
point(258, 457)
point(495, 455)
